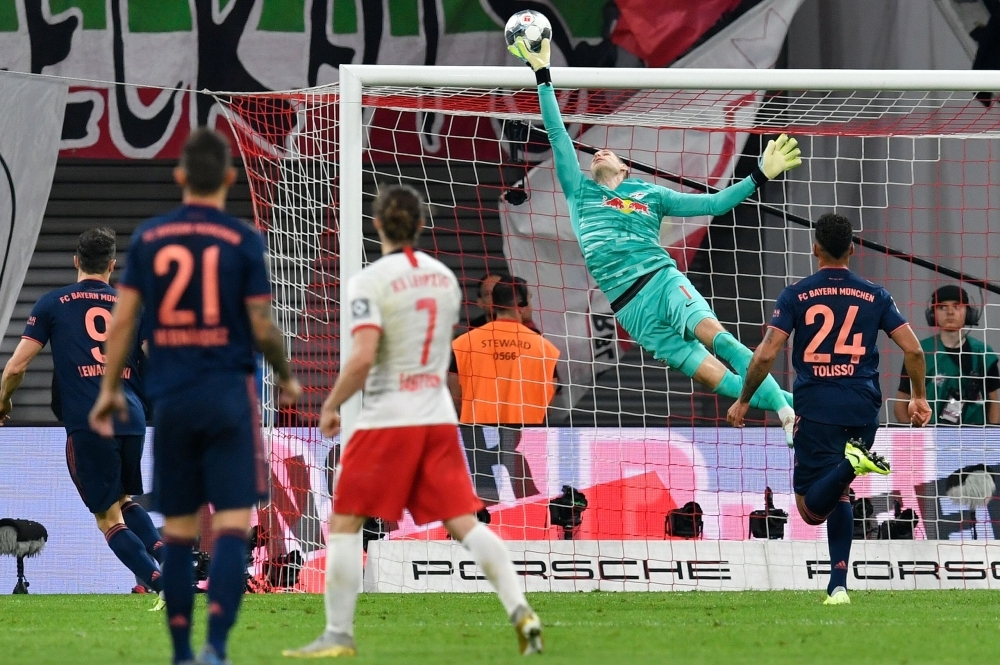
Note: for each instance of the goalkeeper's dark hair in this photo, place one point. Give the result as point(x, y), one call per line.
point(205, 159)
point(95, 250)
point(834, 235)
point(401, 210)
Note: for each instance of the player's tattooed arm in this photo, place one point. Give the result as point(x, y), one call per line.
point(760, 366)
point(13, 373)
point(268, 337)
point(271, 343)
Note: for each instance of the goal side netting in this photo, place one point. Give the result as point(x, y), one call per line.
point(913, 168)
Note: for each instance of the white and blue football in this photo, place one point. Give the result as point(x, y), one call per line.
point(531, 25)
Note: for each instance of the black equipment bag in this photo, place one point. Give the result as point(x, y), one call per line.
point(684, 522)
point(770, 522)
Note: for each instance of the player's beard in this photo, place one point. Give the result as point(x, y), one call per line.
point(603, 173)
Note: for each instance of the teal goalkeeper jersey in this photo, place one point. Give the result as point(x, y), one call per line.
point(619, 229)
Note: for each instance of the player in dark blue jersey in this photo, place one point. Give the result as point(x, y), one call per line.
point(202, 275)
point(106, 470)
point(836, 317)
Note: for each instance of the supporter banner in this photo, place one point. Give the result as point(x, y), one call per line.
point(31, 115)
point(658, 565)
point(540, 243)
point(248, 46)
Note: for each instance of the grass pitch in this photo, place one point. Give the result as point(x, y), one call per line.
point(602, 628)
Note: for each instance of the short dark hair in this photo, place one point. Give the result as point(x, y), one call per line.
point(95, 249)
point(205, 159)
point(834, 235)
point(487, 276)
point(400, 208)
point(510, 293)
point(950, 293)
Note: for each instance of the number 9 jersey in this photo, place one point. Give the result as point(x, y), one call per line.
point(836, 317)
point(414, 300)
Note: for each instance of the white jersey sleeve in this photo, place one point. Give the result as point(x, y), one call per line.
point(414, 300)
point(363, 295)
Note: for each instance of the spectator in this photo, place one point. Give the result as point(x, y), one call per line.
point(502, 376)
point(484, 298)
point(962, 375)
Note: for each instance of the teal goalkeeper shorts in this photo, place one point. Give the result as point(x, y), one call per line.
point(662, 318)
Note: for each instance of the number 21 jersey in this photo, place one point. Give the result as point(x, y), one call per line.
point(835, 317)
point(413, 300)
point(195, 269)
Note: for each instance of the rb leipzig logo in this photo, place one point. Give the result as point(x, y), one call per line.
point(627, 206)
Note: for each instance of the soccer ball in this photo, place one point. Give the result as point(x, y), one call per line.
point(531, 25)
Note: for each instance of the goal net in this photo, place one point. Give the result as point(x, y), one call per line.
point(674, 498)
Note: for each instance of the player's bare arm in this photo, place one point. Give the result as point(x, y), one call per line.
point(13, 374)
point(918, 410)
point(760, 367)
point(455, 389)
point(271, 343)
point(121, 332)
point(364, 348)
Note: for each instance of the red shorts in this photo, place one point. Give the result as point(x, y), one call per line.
point(420, 468)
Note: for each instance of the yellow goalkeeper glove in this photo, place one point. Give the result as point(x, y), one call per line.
point(780, 155)
point(537, 61)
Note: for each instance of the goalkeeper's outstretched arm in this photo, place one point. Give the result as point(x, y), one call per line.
point(780, 155)
point(563, 152)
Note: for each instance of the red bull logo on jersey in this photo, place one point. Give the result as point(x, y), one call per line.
point(627, 206)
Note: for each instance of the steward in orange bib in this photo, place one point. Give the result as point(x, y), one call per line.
point(506, 371)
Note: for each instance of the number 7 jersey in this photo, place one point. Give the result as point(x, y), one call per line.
point(196, 268)
point(414, 301)
point(835, 317)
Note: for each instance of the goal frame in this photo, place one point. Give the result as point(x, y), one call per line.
point(354, 79)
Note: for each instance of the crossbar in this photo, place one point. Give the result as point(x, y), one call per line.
point(678, 78)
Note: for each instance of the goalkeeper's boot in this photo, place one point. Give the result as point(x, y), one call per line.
point(209, 657)
point(529, 630)
point(327, 645)
point(863, 460)
point(160, 604)
point(838, 597)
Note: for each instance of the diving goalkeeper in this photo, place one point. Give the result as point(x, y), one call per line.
point(616, 220)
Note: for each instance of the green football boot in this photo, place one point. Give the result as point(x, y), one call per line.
point(863, 460)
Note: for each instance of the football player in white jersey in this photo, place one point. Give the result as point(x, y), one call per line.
point(403, 309)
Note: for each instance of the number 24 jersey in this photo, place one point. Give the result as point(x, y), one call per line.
point(835, 317)
point(414, 300)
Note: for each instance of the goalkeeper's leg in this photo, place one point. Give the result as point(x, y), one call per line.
point(711, 333)
point(671, 320)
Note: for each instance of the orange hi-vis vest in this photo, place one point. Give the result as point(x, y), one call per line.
point(506, 372)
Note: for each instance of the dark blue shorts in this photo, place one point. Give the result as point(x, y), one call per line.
point(820, 447)
point(207, 448)
point(104, 470)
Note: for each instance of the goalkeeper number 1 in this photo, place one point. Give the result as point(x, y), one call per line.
point(616, 220)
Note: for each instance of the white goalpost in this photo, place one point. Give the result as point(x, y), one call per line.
point(909, 156)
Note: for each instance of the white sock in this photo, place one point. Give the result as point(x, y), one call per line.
point(343, 579)
point(493, 558)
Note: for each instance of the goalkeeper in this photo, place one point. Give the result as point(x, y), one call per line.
point(616, 220)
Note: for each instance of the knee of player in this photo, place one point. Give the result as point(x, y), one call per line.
point(108, 519)
point(809, 517)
